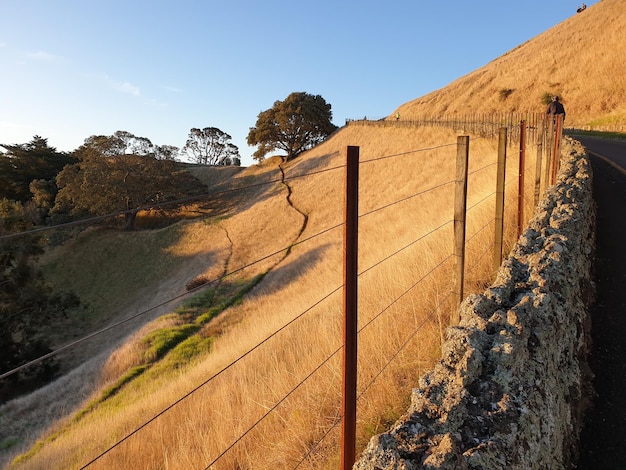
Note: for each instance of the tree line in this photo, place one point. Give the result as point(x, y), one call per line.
point(119, 173)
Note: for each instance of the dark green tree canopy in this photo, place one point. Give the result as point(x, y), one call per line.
point(125, 143)
point(294, 125)
point(107, 179)
point(211, 146)
point(27, 304)
point(20, 164)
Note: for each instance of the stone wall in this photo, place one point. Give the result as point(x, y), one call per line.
point(512, 384)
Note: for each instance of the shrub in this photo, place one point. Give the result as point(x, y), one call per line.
point(197, 282)
point(546, 98)
point(505, 93)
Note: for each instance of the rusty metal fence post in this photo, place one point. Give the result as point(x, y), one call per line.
point(350, 246)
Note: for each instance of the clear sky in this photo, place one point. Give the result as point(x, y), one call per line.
point(70, 69)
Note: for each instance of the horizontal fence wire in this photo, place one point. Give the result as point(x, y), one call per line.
point(391, 255)
point(413, 286)
point(408, 152)
point(479, 202)
point(478, 170)
point(407, 198)
point(477, 232)
point(476, 265)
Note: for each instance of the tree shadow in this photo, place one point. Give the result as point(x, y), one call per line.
point(289, 272)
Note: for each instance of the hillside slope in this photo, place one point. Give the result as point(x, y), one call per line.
point(582, 59)
point(255, 236)
point(265, 228)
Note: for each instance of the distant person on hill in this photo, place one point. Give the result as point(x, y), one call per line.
point(555, 107)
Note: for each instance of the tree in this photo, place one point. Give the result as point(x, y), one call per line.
point(21, 164)
point(166, 152)
point(108, 180)
point(125, 143)
point(211, 146)
point(27, 305)
point(294, 125)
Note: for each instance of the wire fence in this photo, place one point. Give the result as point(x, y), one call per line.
point(477, 124)
point(392, 315)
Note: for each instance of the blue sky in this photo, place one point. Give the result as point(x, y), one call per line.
point(70, 69)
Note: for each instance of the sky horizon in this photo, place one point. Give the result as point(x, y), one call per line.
point(72, 69)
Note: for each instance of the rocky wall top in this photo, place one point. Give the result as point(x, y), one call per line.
point(510, 388)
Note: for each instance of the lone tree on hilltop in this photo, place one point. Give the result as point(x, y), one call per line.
point(211, 146)
point(294, 125)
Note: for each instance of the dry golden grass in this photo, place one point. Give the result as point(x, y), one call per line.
point(404, 308)
point(582, 59)
point(294, 373)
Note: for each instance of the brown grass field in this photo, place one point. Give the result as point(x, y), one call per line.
point(303, 287)
point(582, 59)
point(256, 384)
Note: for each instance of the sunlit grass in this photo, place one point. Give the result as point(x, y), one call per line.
point(582, 59)
point(404, 308)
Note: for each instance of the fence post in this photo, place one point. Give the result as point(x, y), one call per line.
point(548, 126)
point(350, 246)
point(520, 186)
point(539, 141)
point(500, 180)
point(460, 205)
point(558, 129)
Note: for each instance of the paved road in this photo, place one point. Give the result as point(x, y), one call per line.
point(603, 440)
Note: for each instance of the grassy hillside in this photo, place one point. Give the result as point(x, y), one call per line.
point(583, 60)
point(264, 335)
point(131, 378)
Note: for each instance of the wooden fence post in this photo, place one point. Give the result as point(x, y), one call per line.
point(558, 129)
point(520, 186)
point(539, 162)
point(350, 246)
point(500, 180)
point(460, 205)
point(548, 136)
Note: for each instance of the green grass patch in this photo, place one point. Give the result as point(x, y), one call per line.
point(205, 317)
point(610, 120)
point(603, 134)
point(9, 442)
point(183, 354)
point(110, 391)
point(107, 268)
point(161, 341)
point(204, 299)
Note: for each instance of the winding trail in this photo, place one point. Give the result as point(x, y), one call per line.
point(604, 434)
